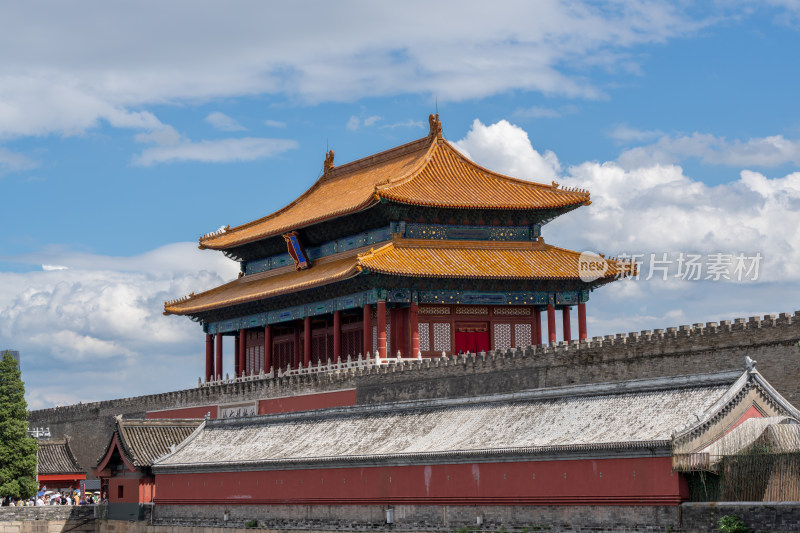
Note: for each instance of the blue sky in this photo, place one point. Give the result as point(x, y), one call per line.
point(126, 132)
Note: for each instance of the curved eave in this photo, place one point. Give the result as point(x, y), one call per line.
point(257, 287)
point(370, 202)
point(421, 146)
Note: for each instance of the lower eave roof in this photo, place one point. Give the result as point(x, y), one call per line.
point(56, 457)
point(404, 257)
point(621, 416)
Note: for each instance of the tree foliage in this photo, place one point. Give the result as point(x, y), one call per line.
point(17, 450)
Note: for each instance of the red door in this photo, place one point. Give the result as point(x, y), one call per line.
point(471, 337)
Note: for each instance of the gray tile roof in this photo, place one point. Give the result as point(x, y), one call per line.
point(55, 457)
point(144, 441)
point(632, 415)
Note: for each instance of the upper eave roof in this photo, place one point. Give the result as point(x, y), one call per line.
point(530, 260)
point(425, 172)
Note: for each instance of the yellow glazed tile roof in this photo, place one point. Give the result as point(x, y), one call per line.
point(479, 259)
point(403, 257)
point(426, 172)
point(266, 285)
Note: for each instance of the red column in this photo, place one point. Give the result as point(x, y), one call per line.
point(242, 351)
point(537, 326)
point(551, 323)
point(218, 366)
point(236, 368)
point(337, 336)
point(306, 341)
point(581, 321)
point(209, 356)
point(381, 329)
point(267, 348)
point(565, 323)
point(367, 329)
point(413, 326)
point(296, 361)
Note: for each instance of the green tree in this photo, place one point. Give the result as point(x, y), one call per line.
point(17, 450)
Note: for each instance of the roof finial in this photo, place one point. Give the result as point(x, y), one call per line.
point(436, 125)
point(328, 161)
point(751, 364)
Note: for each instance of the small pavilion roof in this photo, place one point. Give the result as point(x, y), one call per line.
point(781, 433)
point(140, 442)
point(56, 457)
point(597, 419)
point(425, 172)
point(529, 260)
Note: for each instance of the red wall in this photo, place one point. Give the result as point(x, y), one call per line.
point(752, 412)
point(134, 489)
point(304, 402)
point(307, 402)
point(186, 412)
point(634, 481)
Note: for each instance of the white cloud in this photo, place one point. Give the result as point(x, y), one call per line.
point(761, 151)
point(657, 208)
point(67, 84)
point(410, 123)
point(354, 123)
point(624, 134)
point(14, 162)
point(102, 318)
point(369, 121)
point(537, 112)
point(274, 123)
point(218, 151)
point(506, 148)
point(223, 122)
point(49, 268)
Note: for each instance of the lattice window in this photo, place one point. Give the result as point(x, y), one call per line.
point(374, 340)
point(434, 310)
point(502, 336)
point(424, 337)
point(512, 311)
point(441, 338)
point(522, 335)
point(318, 349)
point(282, 354)
point(472, 310)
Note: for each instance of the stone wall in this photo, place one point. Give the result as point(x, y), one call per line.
point(687, 518)
point(700, 348)
point(423, 517)
point(48, 519)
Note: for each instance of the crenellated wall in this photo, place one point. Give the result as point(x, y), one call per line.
point(700, 348)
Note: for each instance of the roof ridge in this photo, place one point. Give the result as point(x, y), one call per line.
point(448, 146)
point(549, 393)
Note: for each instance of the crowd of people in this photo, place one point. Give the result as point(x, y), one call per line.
point(54, 498)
